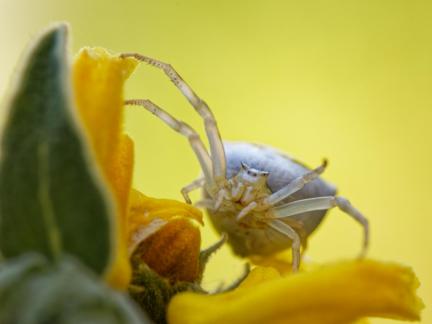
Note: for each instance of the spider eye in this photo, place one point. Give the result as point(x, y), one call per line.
point(244, 166)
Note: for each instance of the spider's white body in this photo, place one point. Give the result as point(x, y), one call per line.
point(264, 200)
point(263, 240)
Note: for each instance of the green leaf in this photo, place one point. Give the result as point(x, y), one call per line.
point(15, 272)
point(63, 292)
point(52, 200)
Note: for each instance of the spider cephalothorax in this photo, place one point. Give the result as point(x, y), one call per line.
point(247, 186)
point(264, 200)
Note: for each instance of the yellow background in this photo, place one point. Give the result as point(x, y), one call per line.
point(346, 80)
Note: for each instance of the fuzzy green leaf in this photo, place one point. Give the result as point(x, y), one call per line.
point(63, 292)
point(52, 200)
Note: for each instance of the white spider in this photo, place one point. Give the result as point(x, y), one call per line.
point(264, 200)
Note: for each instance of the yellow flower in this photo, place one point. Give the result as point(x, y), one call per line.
point(163, 234)
point(98, 79)
point(332, 294)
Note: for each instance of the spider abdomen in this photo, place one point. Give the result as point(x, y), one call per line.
point(282, 170)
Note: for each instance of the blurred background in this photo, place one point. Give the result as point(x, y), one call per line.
point(346, 80)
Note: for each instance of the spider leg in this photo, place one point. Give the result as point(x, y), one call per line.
point(198, 183)
point(215, 141)
point(289, 232)
point(323, 203)
point(220, 196)
point(185, 130)
point(294, 186)
point(246, 210)
point(205, 203)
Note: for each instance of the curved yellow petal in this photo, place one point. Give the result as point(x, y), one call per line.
point(144, 209)
point(98, 79)
point(361, 321)
point(281, 261)
point(120, 175)
point(258, 276)
point(334, 294)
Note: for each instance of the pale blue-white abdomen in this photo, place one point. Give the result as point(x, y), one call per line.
point(283, 170)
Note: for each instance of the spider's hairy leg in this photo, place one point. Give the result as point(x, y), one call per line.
point(323, 203)
point(295, 185)
point(237, 190)
point(220, 196)
point(246, 210)
point(212, 131)
point(185, 130)
point(205, 203)
point(288, 231)
point(198, 183)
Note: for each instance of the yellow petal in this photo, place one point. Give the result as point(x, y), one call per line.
point(98, 84)
point(258, 276)
point(281, 261)
point(120, 175)
point(334, 294)
point(144, 209)
point(361, 321)
point(98, 79)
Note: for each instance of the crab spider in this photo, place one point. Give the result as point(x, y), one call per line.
point(264, 200)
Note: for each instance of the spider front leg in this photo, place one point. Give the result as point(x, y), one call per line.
point(295, 185)
point(185, 130)
point(190, 187)
point(323, 203)
point(212, 131)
